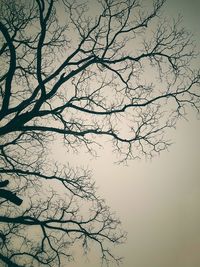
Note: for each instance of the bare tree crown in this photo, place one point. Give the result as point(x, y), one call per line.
point(118, 70)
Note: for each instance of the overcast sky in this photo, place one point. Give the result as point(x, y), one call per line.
point(158, 201)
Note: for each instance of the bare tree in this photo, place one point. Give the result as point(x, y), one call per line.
point(118, 71)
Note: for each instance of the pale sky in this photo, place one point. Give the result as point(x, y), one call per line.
point(157, 201)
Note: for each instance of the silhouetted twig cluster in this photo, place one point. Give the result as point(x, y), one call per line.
point(119, 71)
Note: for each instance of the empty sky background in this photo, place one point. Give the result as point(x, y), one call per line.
point(158, 201)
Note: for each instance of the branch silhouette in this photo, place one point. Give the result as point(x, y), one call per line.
point(123, 72)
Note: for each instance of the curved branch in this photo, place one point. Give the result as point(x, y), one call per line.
point(11, 71)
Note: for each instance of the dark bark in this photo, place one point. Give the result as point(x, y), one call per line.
point(12, 197)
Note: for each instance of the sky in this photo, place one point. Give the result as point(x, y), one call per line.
point(157, 200)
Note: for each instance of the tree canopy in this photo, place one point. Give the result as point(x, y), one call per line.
point(118, 70)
